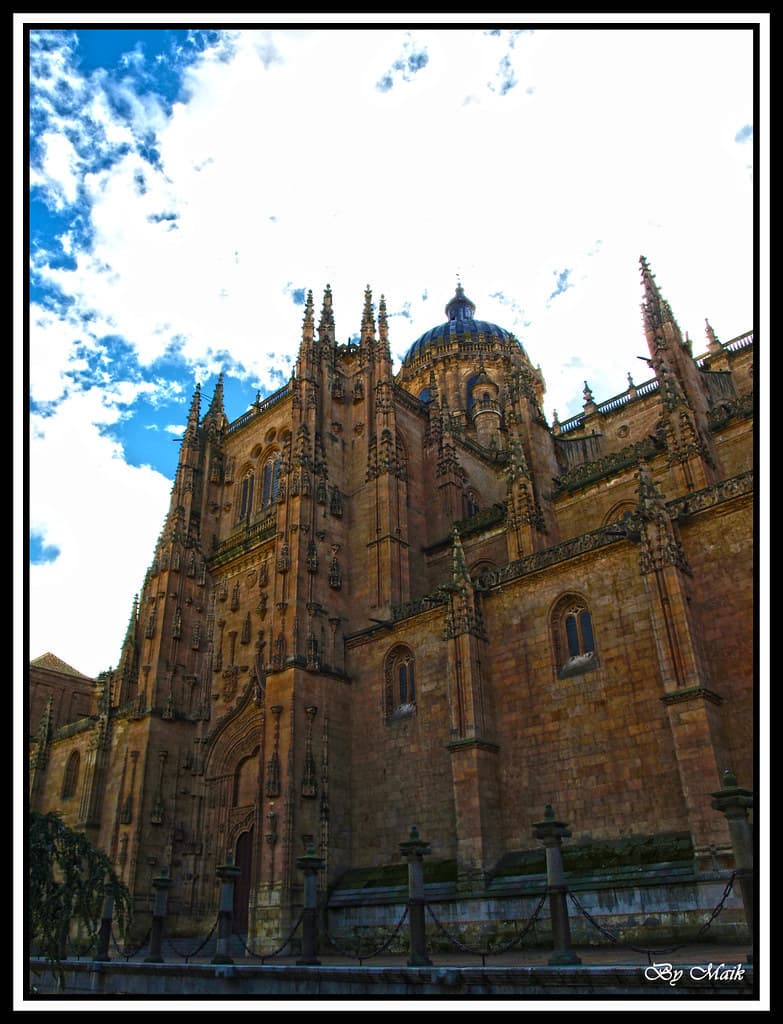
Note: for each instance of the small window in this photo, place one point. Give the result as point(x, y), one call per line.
point(400, 684)
point(573, 638)
point(246, 488)
point(71, 777)
point(407, 680)
point(471, 503)
point(271, 481)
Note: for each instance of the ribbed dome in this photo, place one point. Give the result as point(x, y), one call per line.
point(460, 326)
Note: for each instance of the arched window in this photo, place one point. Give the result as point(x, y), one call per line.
point(71, 776)
point(402, 456)
point(479, 568)
point(471, 503)
point(399, 684)
point(271, 481)
point(573, 637)
point(623, 511)
point(246, 487)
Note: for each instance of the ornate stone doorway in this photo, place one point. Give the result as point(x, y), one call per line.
point(243, 858)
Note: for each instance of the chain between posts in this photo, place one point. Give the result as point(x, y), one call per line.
point(665, 949)
point(80, 951)
point(126, 953)
point(186, 956)
point(505, 947)
point(365, 956)
point(280, 948)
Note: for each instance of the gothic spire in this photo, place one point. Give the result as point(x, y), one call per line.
point(517, 463)
point(713, 343)
point(368, 320)
point(326, 323)
point(106, 682)
point(191, 427)
point(308, 324)
point(660, 541)
point(190, 441)
point(215, 417)
point(383, 329)
point(216, 405)
point(130, 632)
point(459, 567)
point(655, 309)
point(45, 725)
point(304, 366)
point(464, 611)
point(41, 757)
point(127, 667)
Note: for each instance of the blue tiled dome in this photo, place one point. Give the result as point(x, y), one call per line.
point(460, 326)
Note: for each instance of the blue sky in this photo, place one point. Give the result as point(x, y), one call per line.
point(189, 184)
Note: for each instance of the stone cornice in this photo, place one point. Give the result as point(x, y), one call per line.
point(592, 472)
point(709, 497)
point(472, 741)
point(691, 693)
point(678, 508)
point(243, 541)
point(410, 401)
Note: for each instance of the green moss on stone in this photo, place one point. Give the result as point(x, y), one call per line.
point(602, 855)
point(390, 875)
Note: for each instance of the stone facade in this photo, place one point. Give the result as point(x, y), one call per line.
point(383, 599)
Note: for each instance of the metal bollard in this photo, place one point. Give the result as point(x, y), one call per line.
point(227, 873)
point(551, 833)
point(161, 887)
point(734, 801)
point(104, 932)
point(413, 850)
point(310, 864)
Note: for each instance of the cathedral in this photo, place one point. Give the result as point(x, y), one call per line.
point(382, 600)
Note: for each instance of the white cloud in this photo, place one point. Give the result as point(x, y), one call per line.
point(362, 191)
point(103, 516)
point(59, 169)
point(284, 167)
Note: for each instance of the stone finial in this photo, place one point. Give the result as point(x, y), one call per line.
point(229, 871)
point(414, 846)
point(550, 830)
point(713, 343)
point(732, 800)
point(162, 881)
point(310, 862)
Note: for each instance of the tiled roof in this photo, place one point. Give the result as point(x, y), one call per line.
point(55, 664)
point(460, 327)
